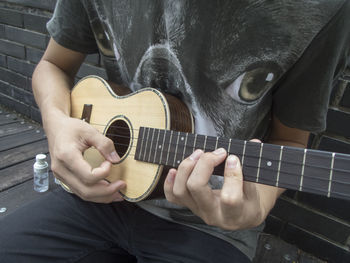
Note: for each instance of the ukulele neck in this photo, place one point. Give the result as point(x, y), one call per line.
point(319, 172)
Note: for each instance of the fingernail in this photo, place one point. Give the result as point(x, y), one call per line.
point(195, 155)
point(114, 157)
point(219, 151)
point(231, 161)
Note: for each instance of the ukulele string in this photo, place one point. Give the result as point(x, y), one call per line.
point(296, 186)
point(270, 169)
point(232, 144)
point(211, 139)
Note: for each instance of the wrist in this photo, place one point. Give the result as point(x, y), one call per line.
point(53, 119)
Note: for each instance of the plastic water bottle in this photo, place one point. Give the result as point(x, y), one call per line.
point(41, 174)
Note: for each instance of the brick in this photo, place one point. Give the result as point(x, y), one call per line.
point(334, 145)
point(24, 96)
point(35, 22)
point(26, 37)
point(34, 54)
point(45, 5)
point(29, 85)
point(11, 17)
point(3, 61)
point(14, 105)
point(20, 66)
point(12, 49)
point(345, 101)
point(2, 31)
point(87, 69)
point(6, 88)
point(338, 122)
point(19, 94)
point(13, 78)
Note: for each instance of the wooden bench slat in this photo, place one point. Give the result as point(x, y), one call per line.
point(14, 128)
point(17, 174)
point(22, 153)
point(8, 118)
point(23, 138)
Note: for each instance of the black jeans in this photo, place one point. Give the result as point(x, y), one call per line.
point(60, 227)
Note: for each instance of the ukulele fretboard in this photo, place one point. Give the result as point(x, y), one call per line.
point(319, 172)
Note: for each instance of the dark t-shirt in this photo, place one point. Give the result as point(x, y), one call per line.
point(232, 62)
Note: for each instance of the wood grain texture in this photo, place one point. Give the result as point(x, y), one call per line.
point(146, 108)
point(14, 128)
point(15, 140)
point(22, 153)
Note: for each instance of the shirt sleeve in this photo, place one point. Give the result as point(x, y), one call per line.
point(301, 98)
point(70, 27)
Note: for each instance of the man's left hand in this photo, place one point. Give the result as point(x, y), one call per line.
point(236, 206)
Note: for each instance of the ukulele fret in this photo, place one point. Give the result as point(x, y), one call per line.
point(259, 164)
point(205, 143)
point(151, 143)
point(194, 143)
point(189, 145)
point(229, 147)
point(177, 144)
point(167, 156)
point(162, 147)
point(330, 176)
point(279, 167)
point(243, 153)
point(183, 153)
point(302, 171)
point(181, 148)
point(156, 147)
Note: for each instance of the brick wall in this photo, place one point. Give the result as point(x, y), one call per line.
point(23, 39)
point(315, 224)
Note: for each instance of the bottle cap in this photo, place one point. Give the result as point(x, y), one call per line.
point(40, 157)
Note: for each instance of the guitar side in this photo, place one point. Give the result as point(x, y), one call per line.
point(119, 118)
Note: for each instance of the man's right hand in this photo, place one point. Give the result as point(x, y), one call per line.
point(68, 139)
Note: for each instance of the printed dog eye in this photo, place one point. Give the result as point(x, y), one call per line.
point(253, 84)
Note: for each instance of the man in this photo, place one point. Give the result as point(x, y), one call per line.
point(246, 69)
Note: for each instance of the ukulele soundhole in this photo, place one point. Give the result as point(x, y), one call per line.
point(119, 133)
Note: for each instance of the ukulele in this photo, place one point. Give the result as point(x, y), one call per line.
point(152, 131)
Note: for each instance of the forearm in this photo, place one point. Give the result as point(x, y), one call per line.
point(52, 80)
point(51, 87)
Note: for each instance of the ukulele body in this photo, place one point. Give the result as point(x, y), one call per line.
point(119, 117)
